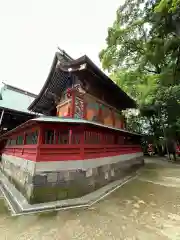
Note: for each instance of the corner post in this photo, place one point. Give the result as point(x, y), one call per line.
point(1, 118)
point(73, 104)
point(82, 130)
point(39, 141)
point(113, 117)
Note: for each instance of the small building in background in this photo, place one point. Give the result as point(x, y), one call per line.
point(80, 143)
point(14, 103)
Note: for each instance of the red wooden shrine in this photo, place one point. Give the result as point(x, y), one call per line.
point(39, 140)
point(79, 143)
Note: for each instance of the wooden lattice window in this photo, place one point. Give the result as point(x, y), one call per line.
point(120, 140)
point(87, 137)
point(63, 137)
point(109, 139)
point(49, 137)
point(128, 140)
point(31, 137)
point(13, 142)
point(76, 137)
point(19, 140)
point(132, 140)
point(8, 143)
point(96, 138)
point(92, 137)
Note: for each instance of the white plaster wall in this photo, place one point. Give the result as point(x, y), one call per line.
point(37, 167)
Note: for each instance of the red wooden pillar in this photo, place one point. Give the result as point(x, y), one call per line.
point(102, 137)
point(100, 114)
point(24, 138)
point(57, 111)
point(82, 142)
point(24, 142)
point(73, 96)
point(40, 135)
point(39, 141)
point(113, 117)
point(69, 109)
point(70, 135)
point(56, 135)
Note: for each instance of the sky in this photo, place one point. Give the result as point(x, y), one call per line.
point(31, 31)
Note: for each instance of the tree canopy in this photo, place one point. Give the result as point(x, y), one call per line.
point(143, 57)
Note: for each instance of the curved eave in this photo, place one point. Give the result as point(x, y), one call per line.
point(18, 128)
point(79, 121)
point(57, 120)
point(75, 66)
point(33, 104)
point(54, 84)
point(47, 85)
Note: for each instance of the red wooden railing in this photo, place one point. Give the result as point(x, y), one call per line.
point(92, 151)
point(68, 152)
point(81, 142)
point(23, 151)
point(59, 152)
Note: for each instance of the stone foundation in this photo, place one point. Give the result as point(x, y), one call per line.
point(40, 186)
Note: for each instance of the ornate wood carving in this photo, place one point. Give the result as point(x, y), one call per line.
point(79, 108)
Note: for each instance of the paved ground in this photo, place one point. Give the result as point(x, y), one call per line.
point(146, 208)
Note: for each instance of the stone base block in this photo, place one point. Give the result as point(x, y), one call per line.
point(51, 186)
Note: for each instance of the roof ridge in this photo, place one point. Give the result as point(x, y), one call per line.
point(60, 60)
point(20, 90)
point(64, 54)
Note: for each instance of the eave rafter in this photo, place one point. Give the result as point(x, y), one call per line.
point(63, 69)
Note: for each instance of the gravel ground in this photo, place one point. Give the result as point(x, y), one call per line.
point(147, 208)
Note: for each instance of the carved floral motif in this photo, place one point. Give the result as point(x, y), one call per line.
point(79, 108)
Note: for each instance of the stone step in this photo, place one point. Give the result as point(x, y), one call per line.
point(12, 205)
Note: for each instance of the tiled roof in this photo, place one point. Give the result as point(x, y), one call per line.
point(76, 121)
point(59, 120)
point(55, 83)
point(64, 69)
point(16, 99)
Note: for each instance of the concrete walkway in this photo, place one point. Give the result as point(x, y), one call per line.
point(19, 205)
point(146, 208)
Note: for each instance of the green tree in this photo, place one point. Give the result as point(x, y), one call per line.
point(172, 6)
point(143, 57)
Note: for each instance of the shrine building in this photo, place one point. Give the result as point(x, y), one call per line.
point(14, 103)
point(79, 143)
